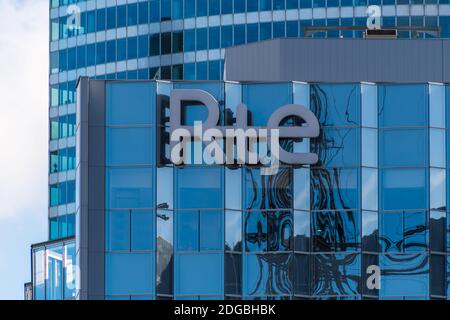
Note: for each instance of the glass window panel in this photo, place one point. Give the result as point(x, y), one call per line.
point(129, 188)
point(292, 29)
point(69, 271)
point(177, 41)
point(369, 189)
point(164, 240)
point(194, 192)
point(188, 230)
point(402, 105)
point(369, 112)
point(403, 147)
point(121, 49)
point(166, 43)
point(302, 274)
point(263, 99)
point(199, 274)
point(130, 146)
point(142, 230)
point(437, 148)
point(336, 274)
point(226, 36)
point(437, 105)
point(121, 16)
point(233, 274)
point(403, 189)
point(132, 14)
point(268, 274)
point(265, 5)
point(233, 230)
point(239, 33)
point(165, 188)
point(211, 230)
point(39, 274)
point(369, 147)
point(143, 47)
point(268, 192)
point(437, 231)
point(437, 189)
point(334, 189)
point(233, 188)
point(202, 39)
point(302, 231)
point(143, 12)
point(370, 231)
point(302, 189)
point(118, 230)
point(265, 31)
point(53, 228)
point(54, 273)
point(129, 273)
point(337, 147)
point(336, 104)
point(252, 32)
point(438, 273)
point(404, 275)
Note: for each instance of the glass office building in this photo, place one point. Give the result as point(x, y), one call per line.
point(180, 39)
point(376, 197)
point(175, 40)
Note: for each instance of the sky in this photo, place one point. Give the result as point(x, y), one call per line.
point(23, 138)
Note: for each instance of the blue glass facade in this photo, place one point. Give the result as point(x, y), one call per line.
point(376, 197)
point(184, 39)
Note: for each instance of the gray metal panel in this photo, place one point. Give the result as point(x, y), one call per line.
point(90, 226)
point(340, 60)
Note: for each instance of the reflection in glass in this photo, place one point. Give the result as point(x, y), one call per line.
point(369, 146)
point(302, 193)
point(268, 192)
point(164, 197)
point(164, 255)
point(336, 274)
point(233, 230)
point(268, 231)
point(334, 189)
point(268, 274)
point(401, 105)
point(369, 112)
point(336, 104)
point(336, 230)
point(437, 189)
point(437, 105)
point(233, 274)
point(437, 148)
point(302, 231)
point(337, 147)
point(233, 188)
point(369, 188)
point(404, 275)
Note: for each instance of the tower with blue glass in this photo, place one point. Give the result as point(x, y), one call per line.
point(180, 40)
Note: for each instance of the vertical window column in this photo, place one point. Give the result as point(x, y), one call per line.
point(369, 182)
point(438, 205)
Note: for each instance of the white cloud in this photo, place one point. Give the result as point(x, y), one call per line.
point(23, 108)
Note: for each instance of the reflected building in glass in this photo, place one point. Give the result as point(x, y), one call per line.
point(376, 197)
point(350, 186)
